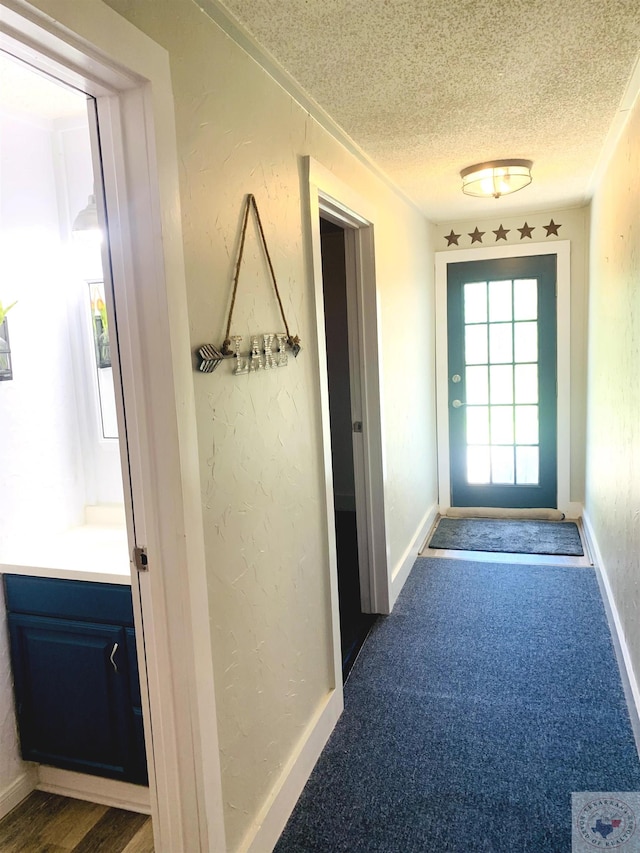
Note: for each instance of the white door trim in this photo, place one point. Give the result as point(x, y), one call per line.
point(562, 249)
point(338, 202)
point(91, 47)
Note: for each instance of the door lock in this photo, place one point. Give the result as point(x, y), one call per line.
point(457, 403)
point(357, 426)
point(140, 559)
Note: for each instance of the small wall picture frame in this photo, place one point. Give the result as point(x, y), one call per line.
point(6, 369)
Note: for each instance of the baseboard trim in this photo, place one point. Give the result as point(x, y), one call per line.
point(573, 510)
point(95, 789)
point(15, 793)
point(406, 562)
point(625, 665)
point(272, 818)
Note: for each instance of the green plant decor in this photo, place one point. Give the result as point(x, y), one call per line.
point(4, 311)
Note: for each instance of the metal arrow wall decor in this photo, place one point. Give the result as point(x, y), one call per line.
point(210, 358)
point(262, 355)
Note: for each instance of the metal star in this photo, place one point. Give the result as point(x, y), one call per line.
point(210, 358)
point(501, 233)
point(452, 239)
point(552, 228)
point(476, 236)
point(526, 230)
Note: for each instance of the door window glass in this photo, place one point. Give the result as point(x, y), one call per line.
point(477, 384)
point(475, 302)
point(476, 344)
point(501, 368)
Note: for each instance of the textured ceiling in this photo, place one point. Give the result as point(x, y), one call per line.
point(427, 87)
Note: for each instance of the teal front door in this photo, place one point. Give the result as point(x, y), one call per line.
point(502, 382)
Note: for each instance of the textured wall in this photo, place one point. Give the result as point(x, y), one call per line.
point(260, 435)
point(613, 435)
point(574, 226)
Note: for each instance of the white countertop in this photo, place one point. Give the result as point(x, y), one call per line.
point(91, 552)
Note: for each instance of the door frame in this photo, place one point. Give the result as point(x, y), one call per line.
point(562, 250)
point(337, 202)
point(99, 52)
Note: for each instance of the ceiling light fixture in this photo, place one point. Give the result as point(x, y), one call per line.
point(496, 178)
point(87, 219)
point(86, 227)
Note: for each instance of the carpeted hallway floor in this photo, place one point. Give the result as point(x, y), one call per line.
point(473, 712)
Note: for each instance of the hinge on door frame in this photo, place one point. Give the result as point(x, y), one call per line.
point(140, 559)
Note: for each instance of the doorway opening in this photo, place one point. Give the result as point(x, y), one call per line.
point(344, 390)
point(452, 406)
point(501, 317)
point(65, 504)
point(128, 76)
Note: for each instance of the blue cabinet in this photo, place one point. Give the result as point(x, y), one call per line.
point(75, 676)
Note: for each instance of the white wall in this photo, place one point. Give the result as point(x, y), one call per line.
point(53, 459)
point(43, 478)
point(613, 424)
point(260, 435)
point(574, 224)
point(75, 182)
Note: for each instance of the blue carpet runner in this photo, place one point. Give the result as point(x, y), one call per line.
point(488, 696)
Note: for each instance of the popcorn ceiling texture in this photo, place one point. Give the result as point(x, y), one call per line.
point(427, 88)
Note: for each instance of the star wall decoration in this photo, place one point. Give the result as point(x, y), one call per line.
point(501, 233)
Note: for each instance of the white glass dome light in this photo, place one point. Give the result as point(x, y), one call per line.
point(496, 178)
point(86, 227)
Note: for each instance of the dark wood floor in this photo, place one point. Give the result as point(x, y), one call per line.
point(47, 823)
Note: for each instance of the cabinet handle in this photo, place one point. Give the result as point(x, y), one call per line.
point(111, 656)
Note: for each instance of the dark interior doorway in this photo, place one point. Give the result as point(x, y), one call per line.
point(354, 624)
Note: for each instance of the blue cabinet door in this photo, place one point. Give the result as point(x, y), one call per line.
point(72, 695)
